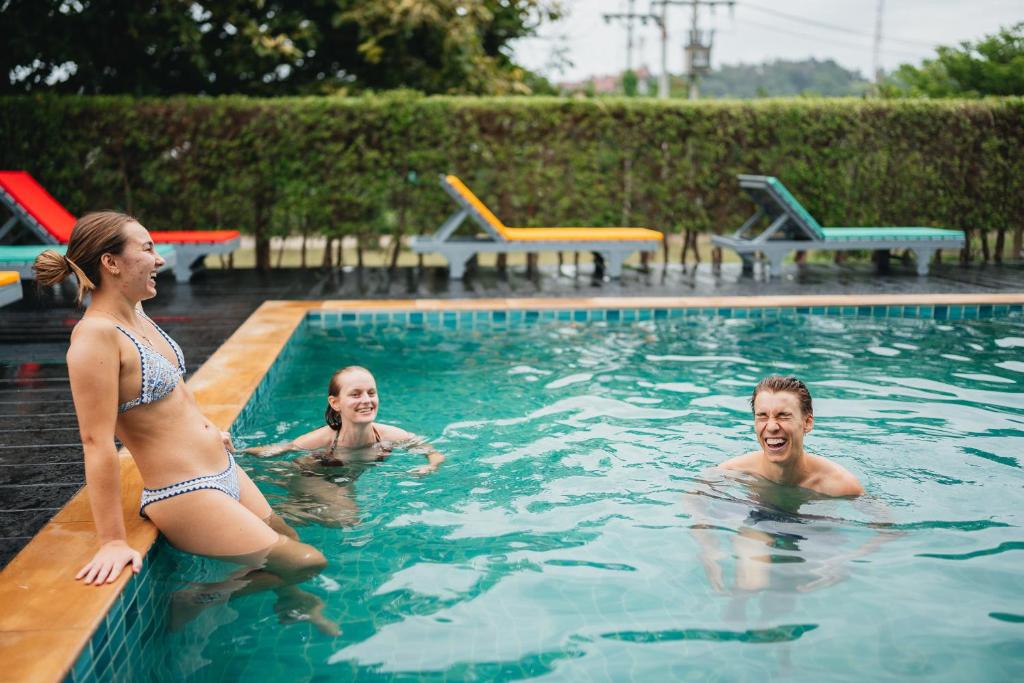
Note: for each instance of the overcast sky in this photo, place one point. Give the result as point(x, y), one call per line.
point(764, 30)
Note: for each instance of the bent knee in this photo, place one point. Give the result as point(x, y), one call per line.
point(299, 558)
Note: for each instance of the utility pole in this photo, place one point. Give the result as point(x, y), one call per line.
point(631, 16)
point(876, 61)
point(698, 47)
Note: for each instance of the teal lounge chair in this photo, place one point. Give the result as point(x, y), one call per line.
point(792, 228)
point(20, 257)
point(10, 287)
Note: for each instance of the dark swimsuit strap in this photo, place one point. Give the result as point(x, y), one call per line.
point(334, 444)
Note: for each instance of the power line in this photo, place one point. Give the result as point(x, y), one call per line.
point(826, 39)
point(833, 27)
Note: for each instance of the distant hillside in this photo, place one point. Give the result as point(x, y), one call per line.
point(780, 78)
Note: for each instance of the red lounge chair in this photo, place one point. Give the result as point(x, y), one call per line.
point(34, 208)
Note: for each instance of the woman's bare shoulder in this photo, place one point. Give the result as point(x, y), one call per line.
point(392, 433)
point(92, 337)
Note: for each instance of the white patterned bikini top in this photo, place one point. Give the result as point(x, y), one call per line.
point(159, 377)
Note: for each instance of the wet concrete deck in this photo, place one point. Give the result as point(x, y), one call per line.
point(40, 455)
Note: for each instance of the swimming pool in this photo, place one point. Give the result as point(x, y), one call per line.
point(557, 539)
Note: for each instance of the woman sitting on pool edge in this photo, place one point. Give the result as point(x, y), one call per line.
point(351, 436)
point(125, 375)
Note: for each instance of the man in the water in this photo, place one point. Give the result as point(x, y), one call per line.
point(783, 414)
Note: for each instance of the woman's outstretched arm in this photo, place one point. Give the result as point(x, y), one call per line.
point(318, 438)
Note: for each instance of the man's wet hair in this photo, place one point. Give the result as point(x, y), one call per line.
point(778, 383)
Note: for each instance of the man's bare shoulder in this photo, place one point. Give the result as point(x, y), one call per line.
point(748, 462)
point(832, 479)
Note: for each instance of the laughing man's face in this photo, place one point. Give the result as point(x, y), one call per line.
point(780, 425)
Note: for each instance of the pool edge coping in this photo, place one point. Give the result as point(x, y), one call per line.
point(49, 618)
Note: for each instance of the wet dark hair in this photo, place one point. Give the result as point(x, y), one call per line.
point(778, 383)
point(331, 416)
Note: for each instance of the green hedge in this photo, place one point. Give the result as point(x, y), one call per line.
point(368, 165)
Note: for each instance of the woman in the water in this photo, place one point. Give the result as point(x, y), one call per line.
point(350, 441)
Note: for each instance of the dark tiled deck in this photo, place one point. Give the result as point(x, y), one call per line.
point(40, 455)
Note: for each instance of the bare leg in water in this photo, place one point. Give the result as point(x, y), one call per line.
point(247, 533)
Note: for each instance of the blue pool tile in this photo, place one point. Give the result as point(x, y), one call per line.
point(401, 318)
point(532, 316)
point(614, 314)
point(925, 312)
point(83, 663)
point(660, 314)
point(1016, 308)
point(985, 310)
point(628, 314)
point(348, 317)
point(677, 313)
point(416, 318)
point(433, 317)
point(740, 313)
point(941, 312)
point(548, 315)
point(564, 315)
point(314, 315)
point(579, 316)
point(955, 313)
point(600, 314)
point(499, 316)
point(381, 317)
point(970, 312)
point(724, 312)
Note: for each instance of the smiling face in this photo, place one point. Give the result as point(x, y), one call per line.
point(780, 425)
point(357, 400)
point(133, 271)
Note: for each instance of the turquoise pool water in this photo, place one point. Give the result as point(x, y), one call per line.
point(558, 541)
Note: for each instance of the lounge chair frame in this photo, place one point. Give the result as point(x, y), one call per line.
point(189, 254)
point(10, 292)
point(792, 228)
point(459, 250)
point(21, 263)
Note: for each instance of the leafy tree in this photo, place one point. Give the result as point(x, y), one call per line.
point(266, 47)
point(992, 66)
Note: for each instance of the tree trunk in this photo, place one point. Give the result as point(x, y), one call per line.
point(1018, 241)
point(693, 243)
point(280, 253)
point(302, 250)
point(966, 255)
point(502, 262)
point(397, 239)
point(985, 256)
point(327, 262)
point(1000, 244)
point(685, 248)
point(262, 253)
point(340, 260)
point(359, 252)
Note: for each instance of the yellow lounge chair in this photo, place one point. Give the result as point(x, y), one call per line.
point(614, 244)
point(10, 287)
